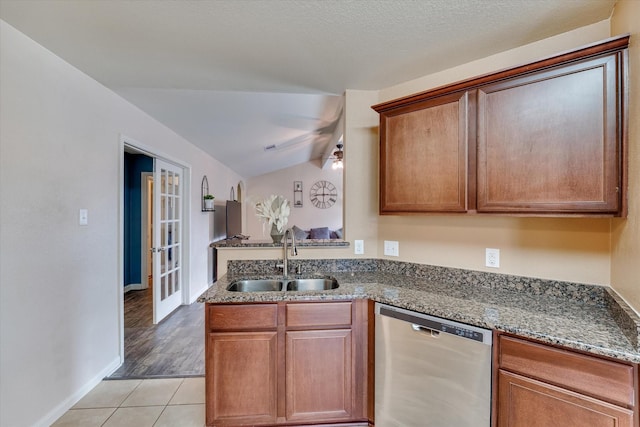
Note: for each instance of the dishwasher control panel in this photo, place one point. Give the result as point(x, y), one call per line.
point(462, 332)
point(431, 323)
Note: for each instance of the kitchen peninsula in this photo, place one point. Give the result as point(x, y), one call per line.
point(224, 250)
point(241, 243)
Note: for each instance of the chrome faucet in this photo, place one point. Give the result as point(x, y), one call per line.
point(294, 250)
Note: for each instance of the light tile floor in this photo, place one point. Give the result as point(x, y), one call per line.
point(164, 402)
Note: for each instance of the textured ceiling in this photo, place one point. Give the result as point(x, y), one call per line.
point(233, 76)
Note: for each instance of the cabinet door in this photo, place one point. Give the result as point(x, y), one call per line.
point(551, 141)
point(523, 402)
point(241, 378)
point(319, 375)
point(423, 156)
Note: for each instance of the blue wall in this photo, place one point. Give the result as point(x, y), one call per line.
point(134, 165)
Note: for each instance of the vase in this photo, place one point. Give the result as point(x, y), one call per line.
point(208, 204)
point(276, 235)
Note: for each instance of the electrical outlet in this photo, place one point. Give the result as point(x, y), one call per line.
point(358, 247)
point(492, 258)
point(391, 248)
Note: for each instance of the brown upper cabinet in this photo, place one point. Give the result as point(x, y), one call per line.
point(547, 138)
point(423, 158)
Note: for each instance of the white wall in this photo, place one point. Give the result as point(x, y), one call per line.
point(281, 182)
point(60, 151)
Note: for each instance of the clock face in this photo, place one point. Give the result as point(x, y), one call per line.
point(323, 194)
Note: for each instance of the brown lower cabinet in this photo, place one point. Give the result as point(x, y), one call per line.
point(288, 363)
point(543, 386)
point(311, 363)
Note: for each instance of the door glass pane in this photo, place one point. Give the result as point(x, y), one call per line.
point(176, 210)
point(170, 288)
point(163, 288)
point(177, 236)
point(177, 283)
point(176, 185)
point(176, 257)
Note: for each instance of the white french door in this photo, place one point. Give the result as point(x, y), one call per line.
point(167, 239)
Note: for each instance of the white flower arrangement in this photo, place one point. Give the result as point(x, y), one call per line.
point(274, 210)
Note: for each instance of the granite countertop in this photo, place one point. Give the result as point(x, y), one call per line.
point(585, 317)
point(240, 243)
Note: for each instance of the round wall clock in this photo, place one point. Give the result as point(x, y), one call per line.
point(323, 194)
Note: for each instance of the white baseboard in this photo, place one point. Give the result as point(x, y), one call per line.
point(199, 292)
point(135, 287)
point(66, 404)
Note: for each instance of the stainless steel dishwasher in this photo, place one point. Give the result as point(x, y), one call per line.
point(430, 372)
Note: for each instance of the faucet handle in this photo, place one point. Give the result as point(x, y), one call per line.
point(280, 264)
point(299, 269)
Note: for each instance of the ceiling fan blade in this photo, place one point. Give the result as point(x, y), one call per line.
point(291, 143)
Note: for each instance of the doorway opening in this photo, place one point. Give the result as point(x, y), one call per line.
point(137, 191)
point(154, 286)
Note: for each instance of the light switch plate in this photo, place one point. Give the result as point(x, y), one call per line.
point(391, 248)
point(358, 247)
point(83, 217)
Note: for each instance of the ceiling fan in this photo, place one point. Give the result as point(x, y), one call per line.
point(338, 157)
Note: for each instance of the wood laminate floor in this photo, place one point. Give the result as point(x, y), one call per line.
point(172, 348)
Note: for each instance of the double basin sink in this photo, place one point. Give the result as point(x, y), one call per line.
point(270, 285)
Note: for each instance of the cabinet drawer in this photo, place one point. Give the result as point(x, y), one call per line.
point(318, 315)
point(241, 317)
point(603, 379)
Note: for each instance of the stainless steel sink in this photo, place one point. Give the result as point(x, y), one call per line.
point(271, 285)
point(322, 284)
point(256, 285)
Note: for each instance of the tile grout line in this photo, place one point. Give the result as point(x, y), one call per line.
point(164, 407)
point(120, 404)
point(175, 392)
point(160, 415)
point(169, 401)
point(109, 417)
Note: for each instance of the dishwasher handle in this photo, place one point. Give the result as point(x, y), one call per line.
point(425, 330)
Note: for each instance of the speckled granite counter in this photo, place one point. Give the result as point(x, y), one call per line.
point(584, 317)
point(240, 244)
